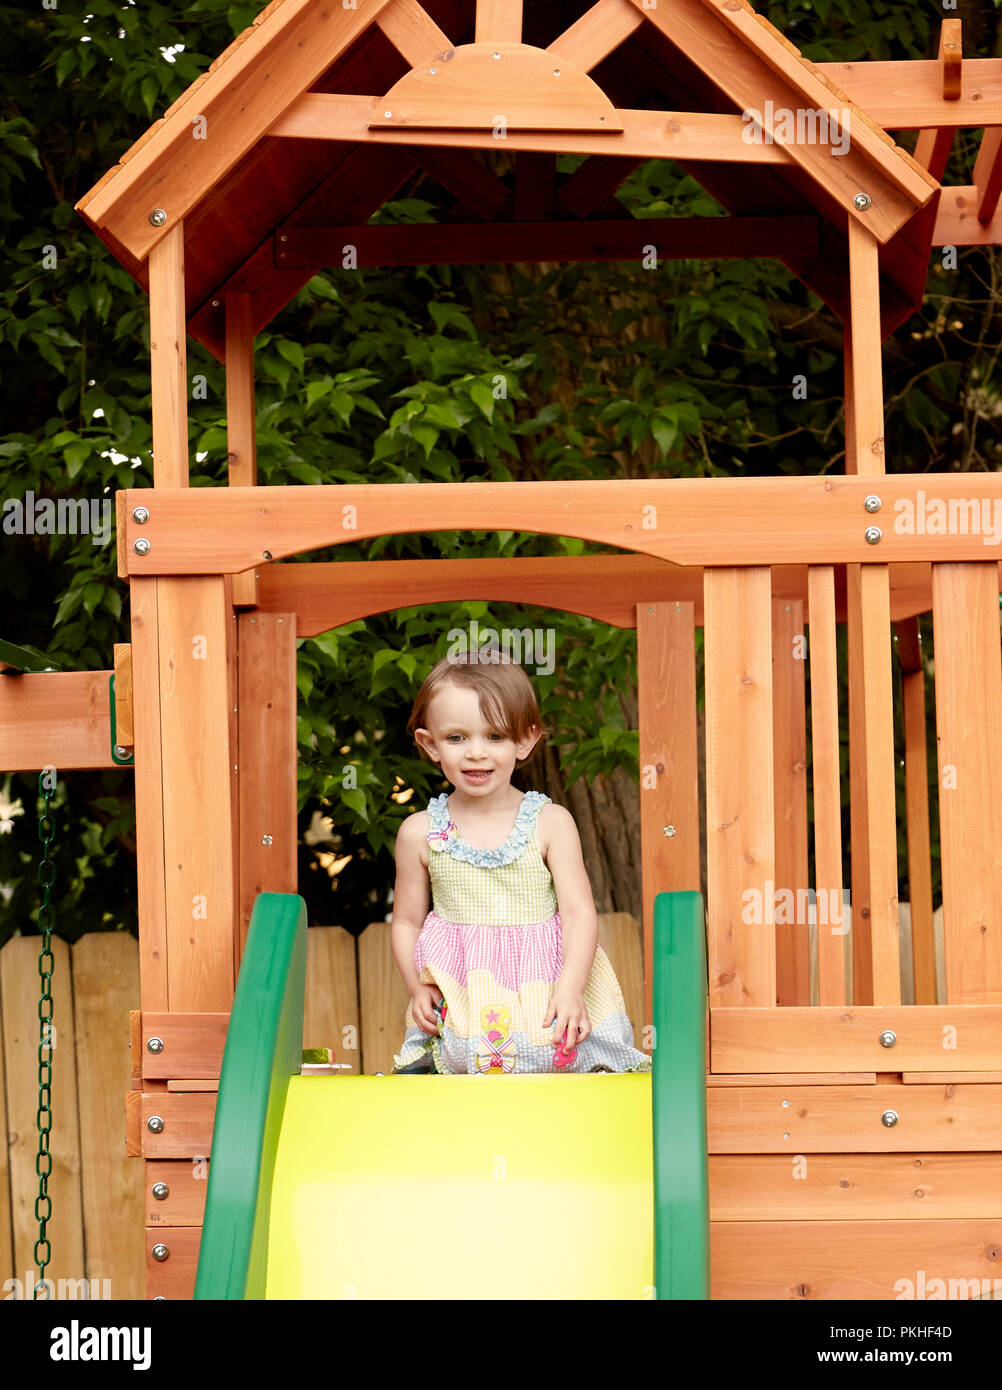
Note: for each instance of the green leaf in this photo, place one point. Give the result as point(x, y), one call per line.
point(292, 352)
point(76, 455)
point(483, 397)
point(149, 91)
point(316, 390)
point(354, 798)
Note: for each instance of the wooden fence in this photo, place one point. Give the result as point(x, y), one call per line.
point(355, 1003)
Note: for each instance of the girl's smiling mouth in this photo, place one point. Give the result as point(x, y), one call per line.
point(477, 774)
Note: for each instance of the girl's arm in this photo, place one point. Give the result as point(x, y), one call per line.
point(410, 895)
point(560, 845)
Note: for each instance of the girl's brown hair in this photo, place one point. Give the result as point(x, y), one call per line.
point(507, 700)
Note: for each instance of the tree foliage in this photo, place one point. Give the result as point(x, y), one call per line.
point(444, 374)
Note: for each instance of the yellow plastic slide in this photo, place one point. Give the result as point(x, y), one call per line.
point(392, 1187)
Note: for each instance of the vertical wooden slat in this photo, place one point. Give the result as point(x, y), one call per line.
point(241, 422)
point(740, 843)
point(789, 731)
point(169, 361)
point(267, 738)
point(917, 804)
point(872, 631)
point(383, 999)
point(149, 793)
point(969, 735)
point(199, 848)
point(6, 1227)
point(862, 974)
point(826, 784)
point(669, 791)
point(105, 988)
point(499, 21)
point(124, 732)
point(331, 1017)
point(621, 939)
point(19, 992)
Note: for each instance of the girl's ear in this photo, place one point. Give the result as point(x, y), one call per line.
point(425, 741)
point(525, 746)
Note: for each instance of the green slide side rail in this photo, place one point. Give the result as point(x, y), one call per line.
point(681, 1186)
point(263, 1049)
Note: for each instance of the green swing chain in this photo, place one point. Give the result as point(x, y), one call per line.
point(46, 961)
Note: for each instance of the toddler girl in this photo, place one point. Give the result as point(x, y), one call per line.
point(505, 972)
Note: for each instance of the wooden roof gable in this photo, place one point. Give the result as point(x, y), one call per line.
point(318, 112)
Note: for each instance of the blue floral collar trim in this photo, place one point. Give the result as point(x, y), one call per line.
point(444, 835)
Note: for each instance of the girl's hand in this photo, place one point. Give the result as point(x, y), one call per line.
point(425, 997)
point(567, 1010)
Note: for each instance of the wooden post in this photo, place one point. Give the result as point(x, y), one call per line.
point(870, 633)
point(789, 730)
point(669, 775)
point(740, 834)
point(917, 802)
point(499, 21)
point(169, 361)
point(241, 424)
point(827, 785)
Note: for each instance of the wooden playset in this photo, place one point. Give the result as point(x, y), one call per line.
point(855, 1142)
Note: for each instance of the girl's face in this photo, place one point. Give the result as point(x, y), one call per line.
point(476, 758)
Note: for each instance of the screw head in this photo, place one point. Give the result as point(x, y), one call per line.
point(433, 71)
point(140, 516)
point(873, 534)
point(387, 114)
point(160, 1252)
point(266, 839)
point(861, 201)
point(888, 1038)
point(266, 554)
point(496, 55)
point(669, 831)
point(872, 503)
point(155, 1124)
point(142, 546)
point(121, 752)
point(155, 1045)
point(157, 217)
point(160, 1190)
point(889, 1118)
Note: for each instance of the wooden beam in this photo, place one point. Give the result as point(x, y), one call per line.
point(868, 451)
point(463, 174)
point(59, 719)
point(645, 134)
point(412, 31)
point(957, 221)
point(968, 670)
point(789, 741)
point(149, 793)
point(705, 521)
point(535, 177)
point(594, 36)
point(951, 57)
point(674, 238)
point(197, 769)
point(268, 759)
point(245, 92)
point(740, 843)
point(746, 58)
point(917, 810)
point(827, 786)
point(499, 21)
point(758, 1040)
point(909, 95)
point(669, 791)
point(169, 361)
point(988, 174)
point(594, 181)
point(241, 418)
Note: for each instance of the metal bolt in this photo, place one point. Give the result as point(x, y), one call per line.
point(871, 503)
point(155, 1124)
point(873, 534)
point(142, 546)
point(433, 71)
point(158, 217)
point(140, 516)
point(160, 1298)
point(266, 554)
point(160, 1190)
point(215, 304)
point(121, 752)
point(155, 1045)
point(160, 1252)
point(387, 114)
point(888, 1038)
point(889, 1118)
point(497, 55)
point(669, 831)
point(266, 839)
point(556, 72)
point(861, 201)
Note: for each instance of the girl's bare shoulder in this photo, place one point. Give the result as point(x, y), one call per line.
point(412, 835)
